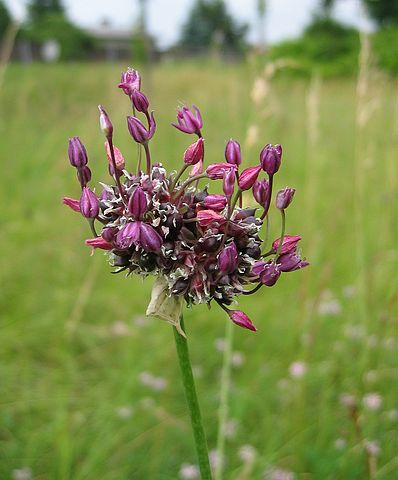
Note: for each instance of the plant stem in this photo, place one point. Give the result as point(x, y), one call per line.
point(193, 404)
point(224, 393)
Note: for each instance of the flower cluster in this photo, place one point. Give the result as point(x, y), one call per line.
point(205, 246)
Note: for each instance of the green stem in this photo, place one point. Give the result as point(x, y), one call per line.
point(224, 394)
point(282, 234)
point(193, 404)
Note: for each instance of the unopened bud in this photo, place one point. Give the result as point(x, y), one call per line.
point(89, 204)
point(140, 101)
point(105, 123)
point(284, 198)
point(138, 203)
point(228, 259)
point(194, 153)
point(77, 153)
point(248, 177)
point(232, 153)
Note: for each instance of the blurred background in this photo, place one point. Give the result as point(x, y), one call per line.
point(90, 387)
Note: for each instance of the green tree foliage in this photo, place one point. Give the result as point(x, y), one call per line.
point(209, 22)
point(384, 12)
point(385, 45)
point(47, 21)
point(37, 9)
point(5, 19)
point(325, 46)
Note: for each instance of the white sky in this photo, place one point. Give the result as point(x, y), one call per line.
point(285, 18)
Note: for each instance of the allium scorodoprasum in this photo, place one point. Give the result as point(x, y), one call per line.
point(203, 245)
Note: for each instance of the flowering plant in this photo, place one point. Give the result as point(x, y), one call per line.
point(201, 246)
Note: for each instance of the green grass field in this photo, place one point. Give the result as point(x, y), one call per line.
point(90, 389)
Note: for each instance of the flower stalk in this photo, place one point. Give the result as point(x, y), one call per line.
point(193, 404)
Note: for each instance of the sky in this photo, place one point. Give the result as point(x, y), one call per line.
point(285, 18)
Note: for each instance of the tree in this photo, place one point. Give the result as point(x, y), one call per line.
point(37, 9)
point(384, 12)
point(47, 21)
point(208, 23)
point(5, 19)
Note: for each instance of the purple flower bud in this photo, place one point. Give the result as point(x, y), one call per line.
point(248, 177)
point(129, 235)
point(119, 159)
point(140, 101)
point(189, 122)
point(215, 202)
point(207, 217)
point(138, 131)
point(194, 153)
point(130, 81)
point(261, 191)
point(72, 203)
point(241, 319)
point(270, 158)
point(289, 243)
point(105, 123)
point(216, 171)
point(138, 203)
point(232, 153)
point(284, 198)
point(89, 204)
point(109, 233)
point(99, 242)
point(77, 153)
point(228, 259)
point(291, 261)
point(84, 175)
point(229, 182)
point(150, 240)
point(269, 274)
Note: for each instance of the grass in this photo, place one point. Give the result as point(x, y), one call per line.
point(68, 364)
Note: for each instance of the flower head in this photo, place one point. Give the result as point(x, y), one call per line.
point(130, 81)
point(188, 121)
point(202, 246)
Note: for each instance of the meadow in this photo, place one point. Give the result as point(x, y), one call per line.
point(90, 387)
